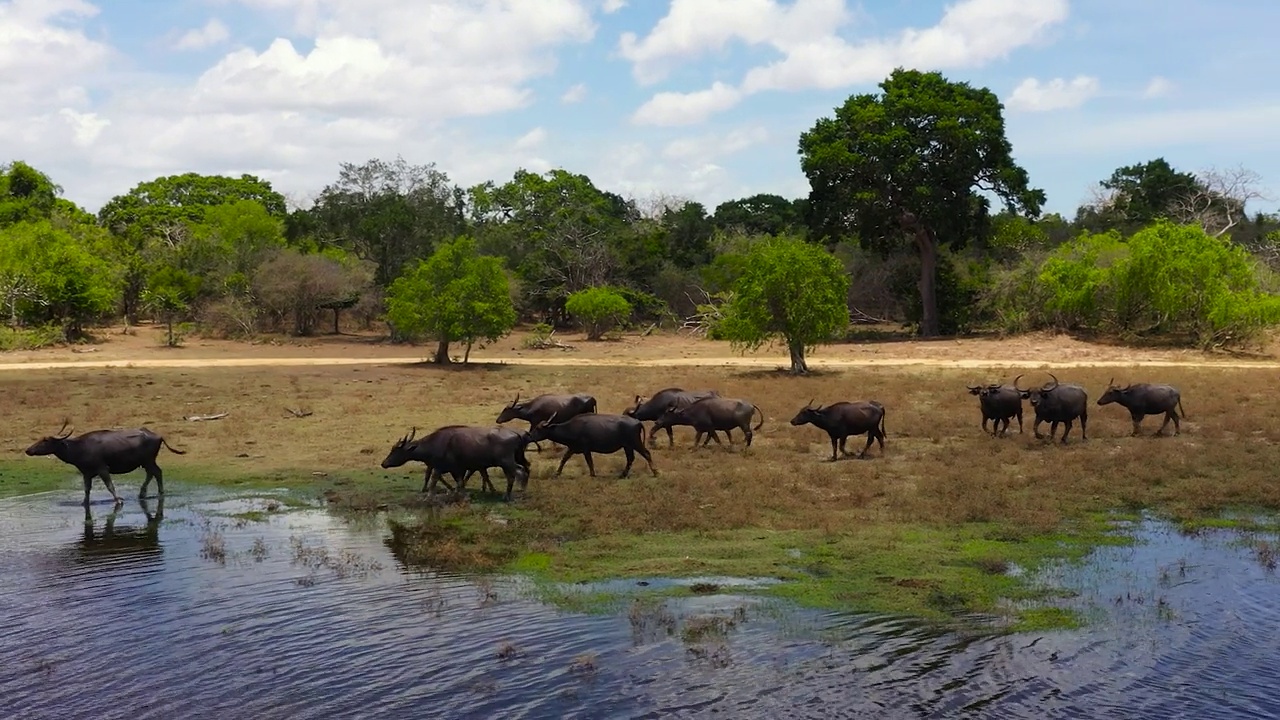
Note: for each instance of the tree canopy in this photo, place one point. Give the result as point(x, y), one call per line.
point(456, 295)
point(788, 290)
point(914, 161)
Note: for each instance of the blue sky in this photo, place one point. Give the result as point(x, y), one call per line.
point(655, 99)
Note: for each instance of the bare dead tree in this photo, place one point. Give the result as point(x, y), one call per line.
point(1218, 203)
point(656, 204)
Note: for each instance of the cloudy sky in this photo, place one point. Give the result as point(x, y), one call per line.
point(699, 98)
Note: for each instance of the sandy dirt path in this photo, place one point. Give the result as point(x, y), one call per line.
point(736, 362)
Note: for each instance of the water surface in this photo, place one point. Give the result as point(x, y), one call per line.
point(194, 613)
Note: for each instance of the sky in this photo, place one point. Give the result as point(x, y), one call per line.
point(694, 99)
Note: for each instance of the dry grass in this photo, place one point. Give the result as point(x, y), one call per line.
point(938, 471)
point(938, 466)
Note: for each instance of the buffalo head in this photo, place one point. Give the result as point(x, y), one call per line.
point(807, 414)
point(981, 390)
point(631, 411)
point(671, 414)
point(539, 432)
point(51, 444)
point(1114, 393)
point(401, 451)
point(1035, 395)
point(510, 412)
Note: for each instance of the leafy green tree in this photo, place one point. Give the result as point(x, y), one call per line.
point(688, 232)
point(389, 213)
point(599, 309)
point(788, 289)
point(170, 292)
point(456, 295)
point(912, 161)
point(26, 194)
point(761, 214)
point(52, 275)
point(1138, 195)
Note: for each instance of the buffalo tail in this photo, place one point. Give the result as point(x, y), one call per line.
point(757, 427)
point(171, 448)
point(1184, 412)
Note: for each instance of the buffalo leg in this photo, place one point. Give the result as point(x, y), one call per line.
point(1053, 429)
point(711, 435)
point(1035, 427)
point(644, 453)
point(871, 437)
point(1137, 422)
point(631, 458)
point(1004, 430)
point(1066, 428)
point(1177, 426)
point(511, 470)
point(591, 466)
point(879, 439)
point(568, 453)
point(746, 430)
point(835, 442)
point(152, 471)
point(1084, 425)
point(88, 486)
point(1019, 422)
point(111, 486)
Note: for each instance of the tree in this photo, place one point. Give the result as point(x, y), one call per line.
point(294, 288)
point(911, 162)
point(761, 214)
point(456, 295)
point(170, 292)
point(53, 275)
point(1217, 202)
point(788, 289)
point(390, 213)
point(599, 309)
point(1135, 196)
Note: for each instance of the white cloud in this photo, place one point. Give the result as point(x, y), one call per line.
point(86, 127)
point(42, 60)
point(532, 139)
point(1031, 95)
point(971, 33)
point(673, 108)
point(575, 94)
point(705, 148)
point(1158, 87)
point(213, 33)
point(612, 6)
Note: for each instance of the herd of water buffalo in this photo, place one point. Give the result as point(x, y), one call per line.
point(572, 422)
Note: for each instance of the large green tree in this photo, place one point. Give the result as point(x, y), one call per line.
point(788, 289)
point(1137, 195)
point(456, 295)
point(761, 214)
point(914, 161)
point(388, 212)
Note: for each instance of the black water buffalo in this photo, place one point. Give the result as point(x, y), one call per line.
point(1143, 399)
point(998, 403)
point(653, 408)
point(843, 419)
point(592, 433)
point(710, 414)
point(462, 450)
point(539, 409)
point(1057, 403)
point(99, 453)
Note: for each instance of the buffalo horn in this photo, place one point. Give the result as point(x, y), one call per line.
point(1015, 383)
point(1055, 382)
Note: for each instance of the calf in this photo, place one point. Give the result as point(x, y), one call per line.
point(653, 408)
point(593, 433)
point(843, 419)
point(99, 453)
point(998, 403)
point(1143, 399)
point(711, 414)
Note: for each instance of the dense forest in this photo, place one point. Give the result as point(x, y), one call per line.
point(918, 214)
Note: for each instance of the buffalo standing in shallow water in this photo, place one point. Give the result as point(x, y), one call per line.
point(1143, 399)
point(592, 433)
point(541, 408)
point(462, 450)
point(1057, 403)
point(711, 414)
point(998, 403)
point(653, 408)
point(843, 419)
point(99, 453)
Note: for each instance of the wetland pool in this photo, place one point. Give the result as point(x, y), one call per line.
point(221, 607)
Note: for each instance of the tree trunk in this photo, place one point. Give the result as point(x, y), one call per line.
point(466, 356)
point(169, 327)
point(798, 365)
point(927, 248)
point(442, 353)
point(336, 331)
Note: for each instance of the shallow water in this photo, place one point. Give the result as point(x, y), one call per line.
point(196, 614)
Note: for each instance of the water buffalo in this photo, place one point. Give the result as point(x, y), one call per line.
point(591, 433)
point(539, 409)
point(1057, 403)
point(998, 403)
point(462, 450)
point(710, 414)
point(1143, 399)
point(99, 453)
point(843, 419)
point(653, 408)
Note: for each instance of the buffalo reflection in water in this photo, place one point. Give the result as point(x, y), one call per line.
point(113, 542)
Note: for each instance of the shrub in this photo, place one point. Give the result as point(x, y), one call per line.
point(599, 309)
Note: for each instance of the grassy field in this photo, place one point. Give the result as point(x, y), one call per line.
point(928, 528)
